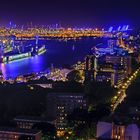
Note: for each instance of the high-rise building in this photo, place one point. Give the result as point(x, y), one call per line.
point(60, 104)
point(124, 61)
point(90, 67)
point(113, 68)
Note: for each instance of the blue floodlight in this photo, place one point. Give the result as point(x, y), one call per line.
point(127, 27)
point(119, 28)
point(124, 28)
point(110, 29)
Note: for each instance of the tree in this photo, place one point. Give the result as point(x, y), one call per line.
point(83, 122)
point(74, 75)
point(47, 129)
point(99, 92)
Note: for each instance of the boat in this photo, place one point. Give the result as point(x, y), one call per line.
point(20, 51)
point(8, 57)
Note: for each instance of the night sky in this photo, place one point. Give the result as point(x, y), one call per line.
point(80, 13)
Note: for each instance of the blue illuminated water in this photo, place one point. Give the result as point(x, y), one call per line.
point(59, 53)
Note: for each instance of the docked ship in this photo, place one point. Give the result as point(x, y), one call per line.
point(11, 52)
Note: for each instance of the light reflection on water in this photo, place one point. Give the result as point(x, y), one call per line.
point(58, 53)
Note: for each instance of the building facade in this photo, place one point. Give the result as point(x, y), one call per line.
point(59, 105)
point(112, 131)
point(7, 133)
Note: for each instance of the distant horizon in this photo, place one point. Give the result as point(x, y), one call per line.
point(56, 25)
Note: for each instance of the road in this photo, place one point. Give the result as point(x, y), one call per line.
point(121, 90)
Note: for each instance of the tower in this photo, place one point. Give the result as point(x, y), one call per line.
point(90, 68)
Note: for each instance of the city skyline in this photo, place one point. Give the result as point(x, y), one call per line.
point(69, 70)
point(71, 13)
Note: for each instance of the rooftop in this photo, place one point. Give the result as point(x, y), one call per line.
point(19, 131)
point(31, 119)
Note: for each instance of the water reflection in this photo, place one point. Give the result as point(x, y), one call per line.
point(58, 53)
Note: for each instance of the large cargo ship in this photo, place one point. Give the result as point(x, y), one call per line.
point(16, 56)
point(12, 52)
